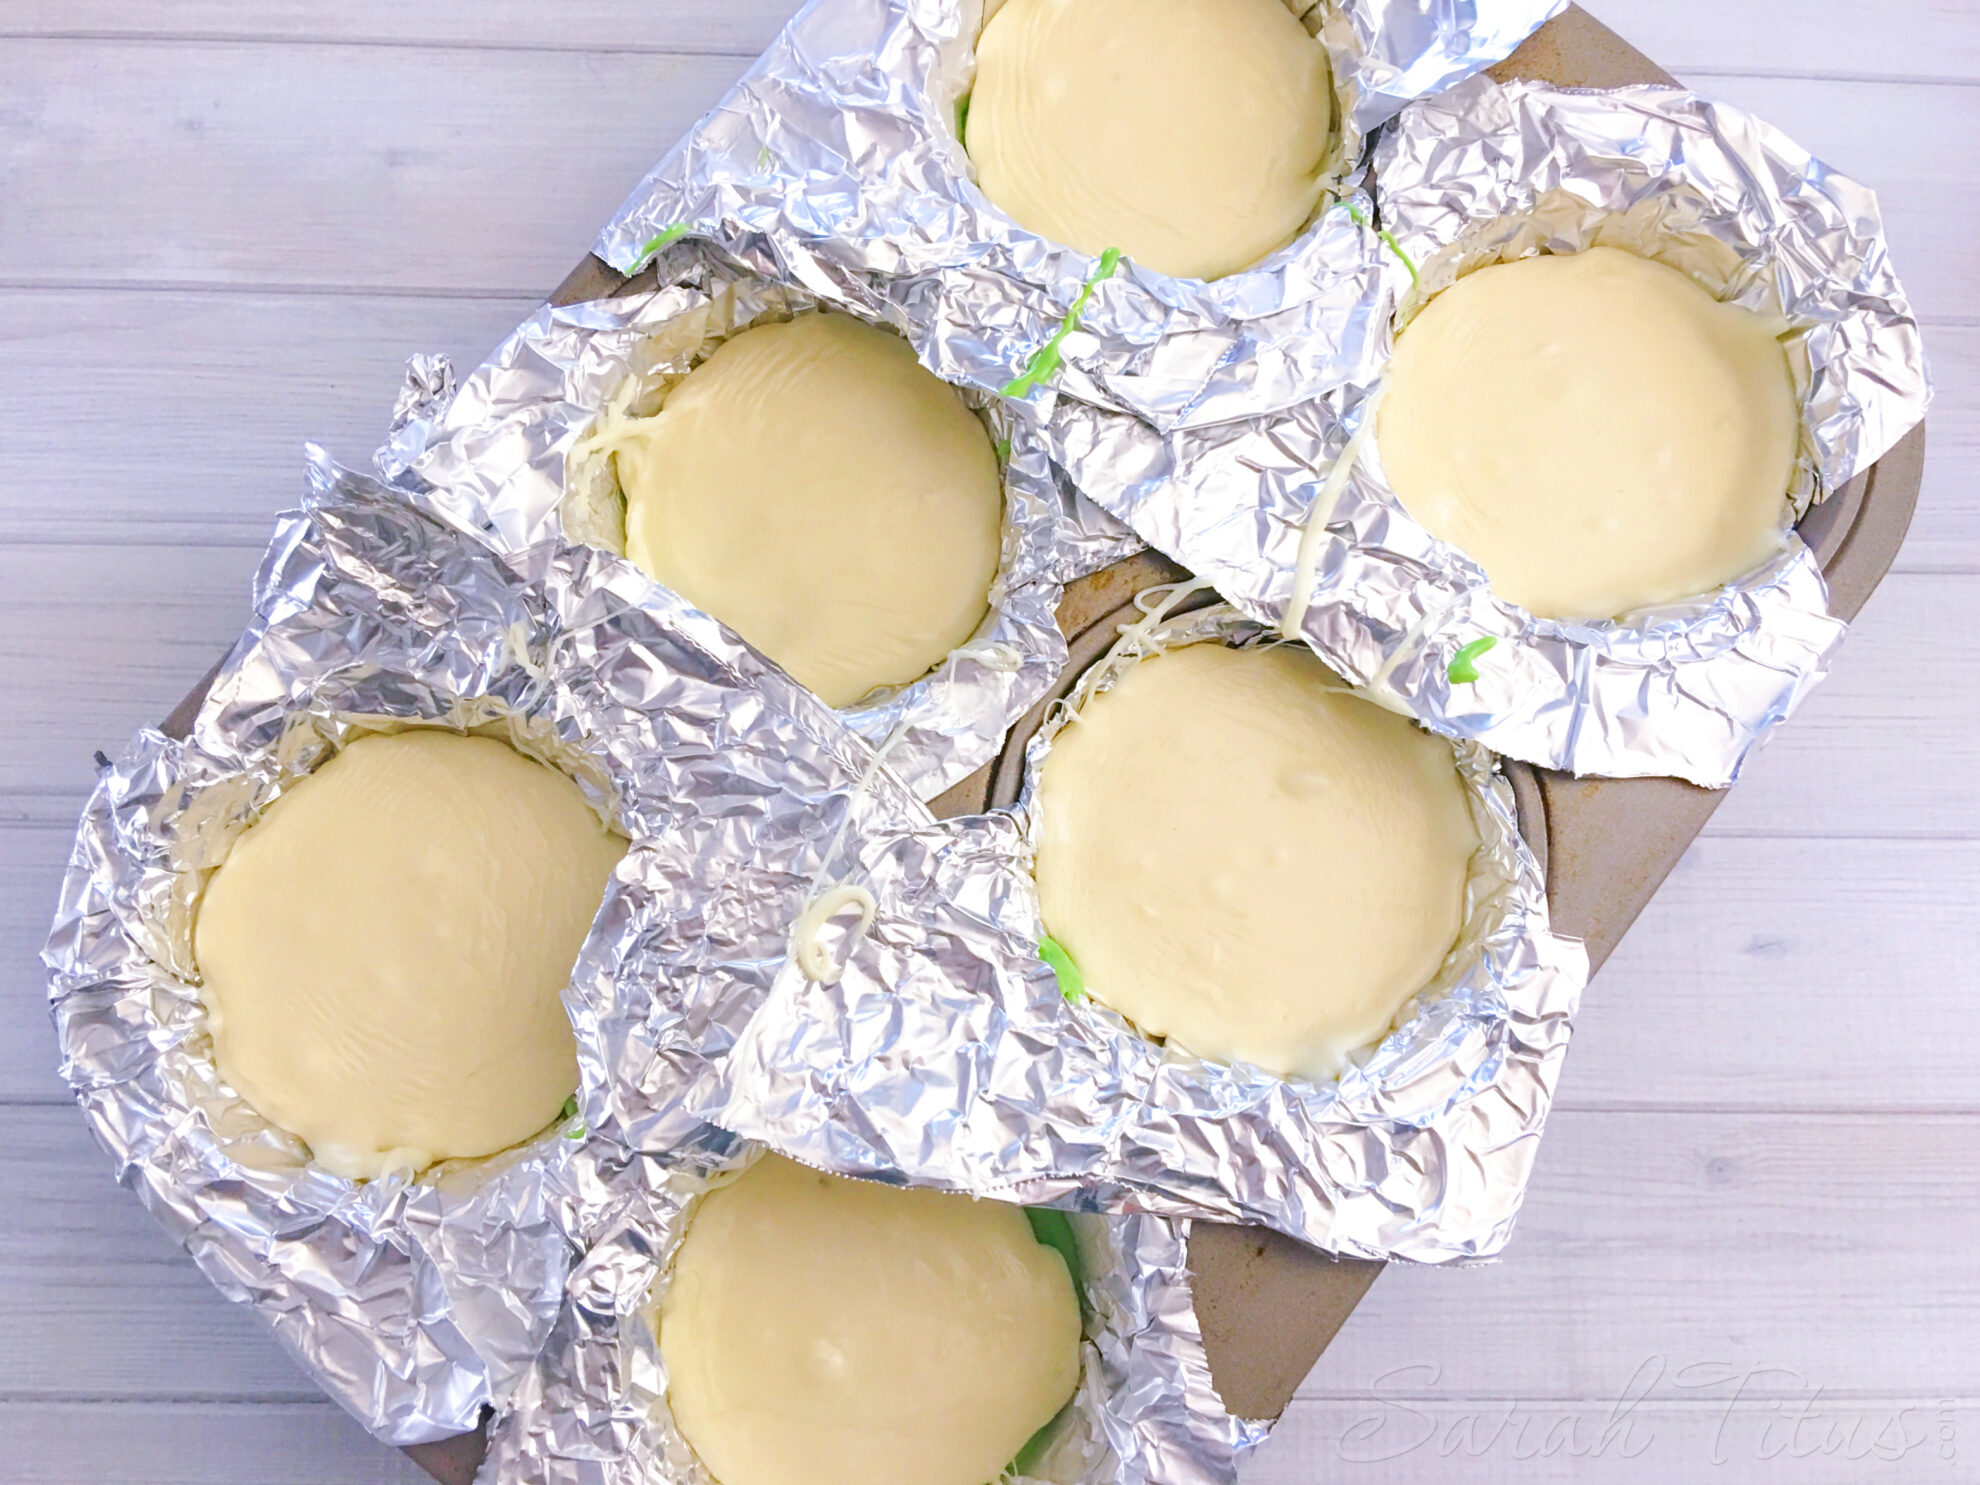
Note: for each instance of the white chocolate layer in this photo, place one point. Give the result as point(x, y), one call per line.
point(1242, 858)
point(383, 951)
point(1190, 134)
point(822, 1331)
point(816, 490)
point(1594, 430)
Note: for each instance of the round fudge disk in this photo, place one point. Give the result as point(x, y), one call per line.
point(1594, 430)
point(383, 951)
point(822, 1331)
point(1190, 134)
point(1243, 858)
point(816, 490)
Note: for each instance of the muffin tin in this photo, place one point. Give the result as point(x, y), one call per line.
point(1267, 1305)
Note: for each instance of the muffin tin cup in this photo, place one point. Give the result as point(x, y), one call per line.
point(593, 1411)
point(502, 458)
point(941, 1052)
point(414, 1302)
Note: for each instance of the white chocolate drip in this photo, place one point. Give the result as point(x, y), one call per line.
point(814, 960)
point(1324, 505)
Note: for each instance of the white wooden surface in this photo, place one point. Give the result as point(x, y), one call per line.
point(224, 223)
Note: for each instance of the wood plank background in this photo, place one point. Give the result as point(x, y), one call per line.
point(223, 225)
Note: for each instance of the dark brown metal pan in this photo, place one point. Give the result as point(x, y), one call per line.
point(1269, 1306)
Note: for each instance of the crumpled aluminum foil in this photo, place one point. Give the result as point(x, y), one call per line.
point(834, 163)
point(593, 1409)
point(1493, 171)
point(1485, 172)
point(945, 1055)
point(412, 1302)
point(501, 458)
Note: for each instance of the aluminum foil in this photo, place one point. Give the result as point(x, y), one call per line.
point(412, 1302)
point(504, 458)
point(834, 163)
point(593, 1410)
point(1488, 172)
point(944, 1055)
point(1495, 171)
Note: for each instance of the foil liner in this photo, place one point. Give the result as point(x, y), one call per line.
point(944, 1054)
point(413, 1302)
point(593, 1409)
point(1488, 172)
point(834, 163)
point(503, 458)
point(1494, 171)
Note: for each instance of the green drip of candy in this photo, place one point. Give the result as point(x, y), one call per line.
point(1053, 1230)
point(1035, 1447)
point(1072, 984)
point(1462, 670)
point(1388, 238)
point(1045, 360)
point(651, 249)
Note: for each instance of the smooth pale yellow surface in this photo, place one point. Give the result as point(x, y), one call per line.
point(1594, 430)
point(383, 950)
point(817, 491)
point(1256, 867)
point(821, 1331)
point(1190, 134)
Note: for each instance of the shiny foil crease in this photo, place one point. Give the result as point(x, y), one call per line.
point(834, 163)
point(592, 1411)
point(412, 1302)
point(1489, 171)
point(495, 458)
point(946, 1056)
